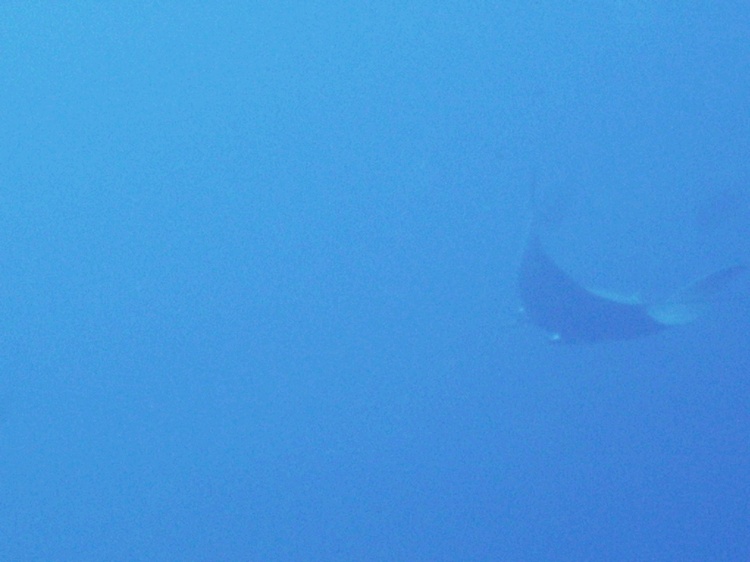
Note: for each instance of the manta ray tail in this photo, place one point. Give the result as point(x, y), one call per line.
point(691, 302)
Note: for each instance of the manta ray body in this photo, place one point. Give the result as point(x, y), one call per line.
point(571, 313)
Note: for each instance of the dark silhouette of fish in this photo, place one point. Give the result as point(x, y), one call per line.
point(570, 313)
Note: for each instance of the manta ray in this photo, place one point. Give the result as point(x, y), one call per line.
point(571, 313)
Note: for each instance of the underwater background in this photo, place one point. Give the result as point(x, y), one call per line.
point(258, 277)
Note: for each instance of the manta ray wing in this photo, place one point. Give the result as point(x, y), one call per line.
point(555, 302)
point(692, 301)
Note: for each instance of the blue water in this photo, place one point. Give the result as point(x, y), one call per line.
point(258, 279)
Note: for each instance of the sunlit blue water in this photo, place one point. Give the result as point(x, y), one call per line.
point(258, 279)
